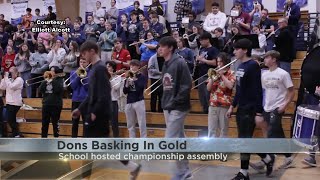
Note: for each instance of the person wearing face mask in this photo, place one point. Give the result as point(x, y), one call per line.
point(39, 64)
point(106, 42)
point(13, 85)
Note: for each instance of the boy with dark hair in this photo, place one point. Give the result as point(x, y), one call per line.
point(133, 34)
point(135, 109)
point(175, 101)
point(248, 98)
point(279, 93)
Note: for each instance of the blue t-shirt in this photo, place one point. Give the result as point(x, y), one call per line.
point(210, 53)
point(146, 53)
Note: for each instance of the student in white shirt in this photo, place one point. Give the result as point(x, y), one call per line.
point(98, 13)
point(262, 41)
point(215, 19)
point(56, 55)
point(279, 93)
point(13, 85)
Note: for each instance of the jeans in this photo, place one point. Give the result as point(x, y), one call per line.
point(245, 124)
point(156, 96)
point(25, 76)
point(285, 66)
point(50, 113)
point(12, 119)
point(175, 129)
point(217, 119)
point(204, 95)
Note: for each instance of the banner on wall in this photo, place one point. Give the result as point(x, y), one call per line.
point(282, 3)
point(18, 8)
point(47, 3)
point(247, 4)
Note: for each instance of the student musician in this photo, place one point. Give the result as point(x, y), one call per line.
point(135, 108)
point(79, 94)
point(13, 85)
point(120, 55)
point(52, 92)
point(279, 93)
point(115, 82)
point(186, 53)
point(220, 98)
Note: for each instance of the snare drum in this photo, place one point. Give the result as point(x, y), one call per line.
point(307, 117)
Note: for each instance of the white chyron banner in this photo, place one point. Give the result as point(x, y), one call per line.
point(47, 3)
point(18, 8)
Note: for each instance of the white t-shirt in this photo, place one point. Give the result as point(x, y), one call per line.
point(275, 83)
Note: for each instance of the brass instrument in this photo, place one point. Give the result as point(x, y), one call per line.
point(81, 72)
point(129, 75)
point(48, 76)
point(213, 73)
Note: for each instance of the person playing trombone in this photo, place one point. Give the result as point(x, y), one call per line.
point(39, 64)
point(220, 98)
point(80, 92)
point(52, 92)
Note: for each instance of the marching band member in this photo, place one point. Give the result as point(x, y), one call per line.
point(115, 83)
point(52, 92)
point(207, 58)
point(39, 64)
point(186, 53)
point(135, 108)
point(120, 55)
point(175, 101)
point(79, 94)
point(248, 98)
point(279, 93)
point(220, 98)
point(106, 41)
point(155, 65)
point(13, 85)
point(97, 105)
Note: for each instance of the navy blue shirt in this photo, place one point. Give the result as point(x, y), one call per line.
point(248, 88)
point(133, 31)
point(210, 53)
point(135, 91)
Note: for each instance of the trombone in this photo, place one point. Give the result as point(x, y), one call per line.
point(48, 76)
point(130, 74)
point(213, 73)
point(81, 72)
point(152, 85)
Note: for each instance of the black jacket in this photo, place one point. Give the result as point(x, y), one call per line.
point(177, 84)
point(284, 43)
point(52, 92)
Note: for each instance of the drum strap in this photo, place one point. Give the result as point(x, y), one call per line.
point(311, 99)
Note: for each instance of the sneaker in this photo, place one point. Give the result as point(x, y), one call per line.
point(269, 165)
point(134, 174)
point(258, 167)
point(240, 176)
point(310, 161)
point(288, 163)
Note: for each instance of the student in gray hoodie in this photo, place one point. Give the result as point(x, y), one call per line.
point(39, 64)
point(176, 80)
point(21, 61)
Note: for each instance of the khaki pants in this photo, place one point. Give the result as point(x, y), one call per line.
point(106, 56)
point(217, 118)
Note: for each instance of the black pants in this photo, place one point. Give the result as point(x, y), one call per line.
point(132, 51)
point(50, 113)
point(114, 120)
point(75, 121)
point(245, 125)
point(156, 96)
point(35, 87)
point(12, 120)
point(2, 123)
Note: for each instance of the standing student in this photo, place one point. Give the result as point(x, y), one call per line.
point(99, 12)
point(8, 59)
point(115, 82)
point(106, 41)
point(97, 105)
point(135, 109)
point(79, 94)
point(13, 85)
point(220, 98)
point(186, 53)
point(52, 92)
point(112, 14)
point(155, 65)
point(177, 84)
point(21, 61)
point(279, 93)
point(248, 98)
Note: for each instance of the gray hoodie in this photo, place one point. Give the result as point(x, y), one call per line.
point(22, 65)
point(153, 68)
point(177, 84)
point(38, 63)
